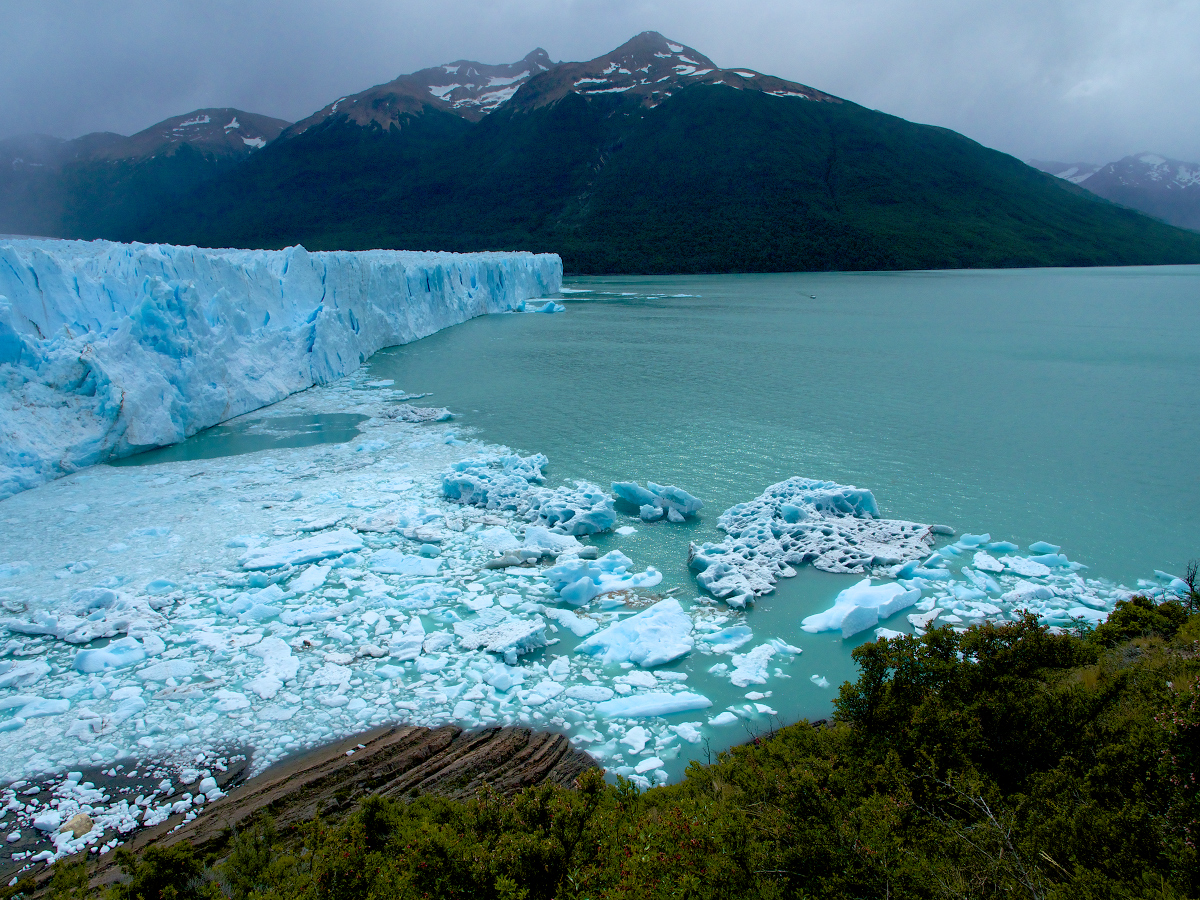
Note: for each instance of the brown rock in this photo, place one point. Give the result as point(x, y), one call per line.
point(79, 825)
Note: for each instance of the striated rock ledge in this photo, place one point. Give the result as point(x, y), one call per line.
point(400, 761)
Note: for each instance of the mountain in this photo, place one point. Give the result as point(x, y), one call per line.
point(650, 68)
point(470, 89)
point(1072, 172)
point(648, 159)
point(87, 186)
point(1167, 189)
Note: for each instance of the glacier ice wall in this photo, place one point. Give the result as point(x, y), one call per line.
point(107, 349)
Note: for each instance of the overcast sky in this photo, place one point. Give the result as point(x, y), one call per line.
point(1075, 81)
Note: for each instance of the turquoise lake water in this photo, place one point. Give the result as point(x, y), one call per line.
point(1056, 405)
point(1059, 405)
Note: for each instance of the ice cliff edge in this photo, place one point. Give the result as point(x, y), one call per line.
point(107, 349)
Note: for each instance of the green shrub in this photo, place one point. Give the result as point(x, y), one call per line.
point(163, 873)
point(1003, 762)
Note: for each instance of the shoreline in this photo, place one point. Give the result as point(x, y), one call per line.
point(402, 761)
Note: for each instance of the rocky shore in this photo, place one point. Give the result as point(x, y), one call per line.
point(399, 761)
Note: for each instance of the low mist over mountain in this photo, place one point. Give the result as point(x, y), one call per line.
point(1168, 189)
point(103, 182)
point(650, 158)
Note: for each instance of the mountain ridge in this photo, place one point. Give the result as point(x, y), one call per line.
point(1168, 189)
point(649, 158)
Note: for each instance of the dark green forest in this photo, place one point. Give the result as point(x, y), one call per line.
point(711, 180)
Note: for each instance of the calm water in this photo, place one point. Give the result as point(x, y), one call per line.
point(1061, 405)
point(1057, 405)
point(265, 433)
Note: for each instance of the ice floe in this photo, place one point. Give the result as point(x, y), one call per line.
point(834, 527)
point(655, 500)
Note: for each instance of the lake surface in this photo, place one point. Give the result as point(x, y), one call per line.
point(1058, 405)
point(1055, 405)
point(251, 435)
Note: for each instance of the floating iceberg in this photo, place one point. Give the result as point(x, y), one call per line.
point(835, 527)
point(655, 704)
point(655, 500)
point(107, 349)
point(652, 637)
point(508, 482)
point(579, 581)
point(861, 607)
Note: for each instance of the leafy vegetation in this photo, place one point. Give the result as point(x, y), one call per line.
point(1002, 762)
point(710, 180)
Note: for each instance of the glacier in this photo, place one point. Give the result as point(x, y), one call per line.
point(108, 349)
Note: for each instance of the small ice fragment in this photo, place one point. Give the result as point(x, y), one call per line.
point(820, 681)
point(626, 530)
point(725, 718)
point(650, 513)
point(653, 704)
point(1043, 547)
point(652, 637)
point(393, 562)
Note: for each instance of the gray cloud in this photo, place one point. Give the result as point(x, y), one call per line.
point(1036, 78)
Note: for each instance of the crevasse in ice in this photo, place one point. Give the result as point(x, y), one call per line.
point(107, 349)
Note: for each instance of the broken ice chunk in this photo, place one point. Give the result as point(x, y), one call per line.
point(393, 562)
point(309, 580)
point(118, 654)
point(1026, 567)
point(664, 498)
point(689, 731)
point(580, 580)
point(580, 626)
point(501, 633)
point(643, 706)
point(311, 549)
point(727, 639)
point(652, 637)
point(635, 738)
point(751, 668)
point(406, 644)
point(594, 693)
point(861, 607)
